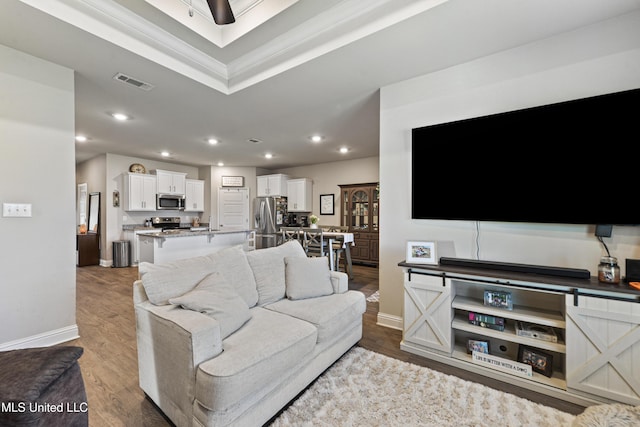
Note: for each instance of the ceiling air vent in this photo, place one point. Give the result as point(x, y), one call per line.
point(133, 81)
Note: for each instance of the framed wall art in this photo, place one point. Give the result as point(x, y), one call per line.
point(233, 181)
point(421, 252)
point(326, 204)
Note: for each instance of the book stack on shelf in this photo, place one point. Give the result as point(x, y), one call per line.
point(487, 321)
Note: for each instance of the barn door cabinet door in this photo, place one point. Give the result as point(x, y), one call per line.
point(603, 348)
point(427, 312)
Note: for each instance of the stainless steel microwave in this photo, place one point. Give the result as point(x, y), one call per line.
point(173, 202)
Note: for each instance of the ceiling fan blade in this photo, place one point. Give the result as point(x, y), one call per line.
point(221, 11)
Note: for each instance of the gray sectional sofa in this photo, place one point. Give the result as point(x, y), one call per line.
point(232, 337)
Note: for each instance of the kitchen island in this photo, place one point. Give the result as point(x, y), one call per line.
point(170, 245)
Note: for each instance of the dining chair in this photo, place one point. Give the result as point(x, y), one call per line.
point(315, 244)
point(291, 233)
point(337, 244)
point(338, 228)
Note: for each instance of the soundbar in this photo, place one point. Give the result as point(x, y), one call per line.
point(576, 273)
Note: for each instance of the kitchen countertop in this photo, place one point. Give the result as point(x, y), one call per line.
point(188, 233)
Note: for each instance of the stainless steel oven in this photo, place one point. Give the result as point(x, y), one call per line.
point(173, 202)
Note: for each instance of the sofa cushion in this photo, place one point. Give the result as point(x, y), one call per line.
point(172, 279)
point(268, 269)
point(255, 359)
point(331, 314)
point(216, 298)
point(232, 263)
point(307, 277)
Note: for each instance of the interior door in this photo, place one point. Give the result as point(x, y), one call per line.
point(233, 208)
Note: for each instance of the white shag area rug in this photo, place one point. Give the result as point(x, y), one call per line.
point(365, 388)
point(374, 297)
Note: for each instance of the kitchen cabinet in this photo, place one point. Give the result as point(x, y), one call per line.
point(272, 185)
point(359, 207)
point(140, 192)
point(171, 182)
point(299, 195)
point(194, 195)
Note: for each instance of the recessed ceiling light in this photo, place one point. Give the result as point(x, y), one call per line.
point(220, 164)
point(316, 138)
point(212, 141)
point(119, 116)
point(268, 156)
point(165, 154)
point(344, 150)
point(81, 138)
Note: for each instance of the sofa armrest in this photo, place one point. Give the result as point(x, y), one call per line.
point(172, 342)
point(139, 295)
point(340, 282)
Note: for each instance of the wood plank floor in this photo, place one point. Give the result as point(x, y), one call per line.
point(106, 321)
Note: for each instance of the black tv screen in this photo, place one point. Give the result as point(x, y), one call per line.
point(572, 162)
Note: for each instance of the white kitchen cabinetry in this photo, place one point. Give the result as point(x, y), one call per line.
point(598, 331)
point(140, 192)
point(272, 185)
point(194, 195)
point(171, 182)
point(299, 195)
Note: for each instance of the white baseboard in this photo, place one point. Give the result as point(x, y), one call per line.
point(389, 321)
point(45, 339)
point(106, 262)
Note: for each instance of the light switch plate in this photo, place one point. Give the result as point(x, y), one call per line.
point(16, 210)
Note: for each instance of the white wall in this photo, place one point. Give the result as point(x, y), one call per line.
point(589, 61)
point(37, 254)
point(327, 177)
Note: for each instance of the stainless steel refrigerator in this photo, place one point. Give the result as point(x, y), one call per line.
point(269, 214)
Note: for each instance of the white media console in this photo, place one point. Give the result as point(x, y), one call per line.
point(596, 358)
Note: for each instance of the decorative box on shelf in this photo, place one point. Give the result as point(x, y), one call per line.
point(539, 332)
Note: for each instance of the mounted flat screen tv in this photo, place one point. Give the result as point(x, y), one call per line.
point(572, 162)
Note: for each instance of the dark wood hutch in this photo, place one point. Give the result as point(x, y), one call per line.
point(359, 210)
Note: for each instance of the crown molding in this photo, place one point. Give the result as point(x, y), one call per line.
point(346, 22)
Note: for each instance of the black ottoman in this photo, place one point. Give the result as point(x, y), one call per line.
point(42, 387)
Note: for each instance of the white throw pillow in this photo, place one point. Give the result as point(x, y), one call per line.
point(268, 269)
point(307, 277)
point(216, 298)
